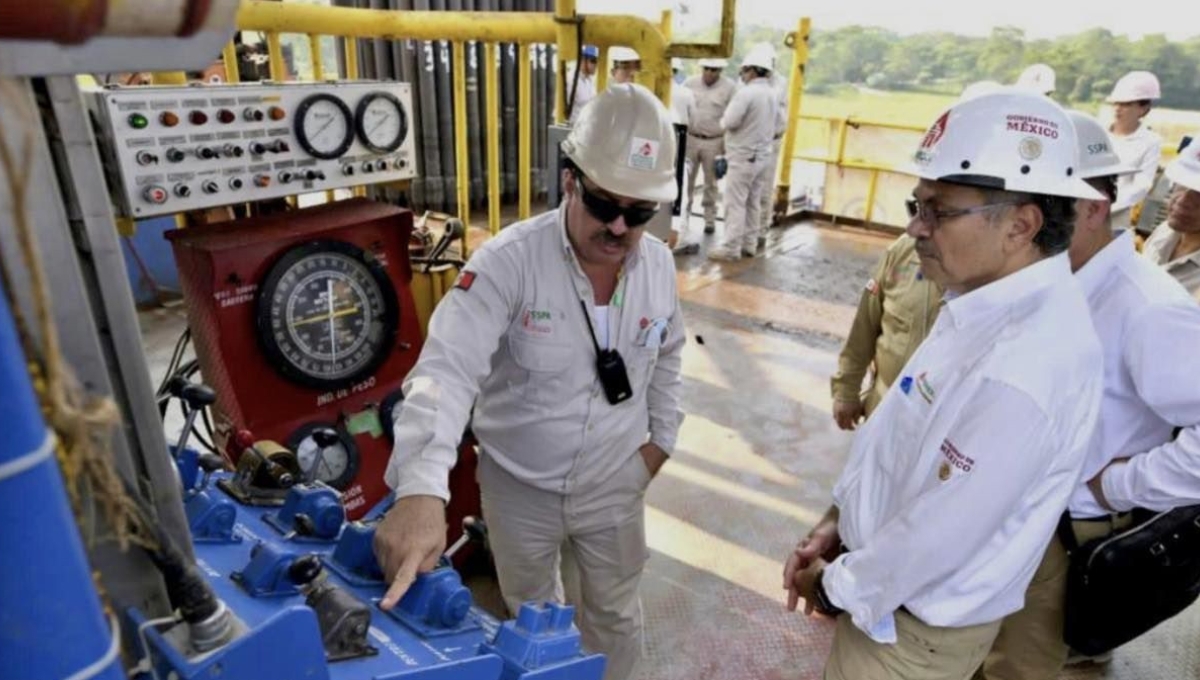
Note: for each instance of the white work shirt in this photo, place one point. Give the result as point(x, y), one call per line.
point(711, 102)
point(511, 341)
point(683, 105)
point(1142, 150)
point(750, 121)
point(586, 93)
point(780, 85)
point(956, 483)
point(1149, 331)
point(1186, 270)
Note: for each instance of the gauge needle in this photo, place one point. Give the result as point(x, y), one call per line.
point(377, 125)
point(322, 128)
point(332, 329)
point(325, 317)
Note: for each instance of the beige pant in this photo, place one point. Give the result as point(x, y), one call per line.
point(921, 652)
point(743, 203)
point(701, 155)
point(768, 187)
point(604, 530)
point(1030, 644)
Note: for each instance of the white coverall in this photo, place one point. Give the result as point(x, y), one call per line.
point(1142, 150)
point(749, 124)
point(780, 85)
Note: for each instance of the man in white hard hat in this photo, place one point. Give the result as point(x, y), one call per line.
point(683, 239)
point(1038, 78)
point(626, 63)
point(1175, 244)
point(1136, 143)
point(583, 90)
point(561, 343)
point(956, 483)
point(706, 137)
point(1149, 329)
point(779, 85)
point(749, 123)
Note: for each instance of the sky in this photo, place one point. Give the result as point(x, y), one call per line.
point(1038, 18)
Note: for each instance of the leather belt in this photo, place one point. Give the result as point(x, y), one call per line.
point(700, 136)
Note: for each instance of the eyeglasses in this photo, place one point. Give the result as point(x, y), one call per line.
point(608, 211)
point(931, 217)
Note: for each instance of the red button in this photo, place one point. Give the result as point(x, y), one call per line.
point(276, 113)
point(226, 116)
point(198, 117)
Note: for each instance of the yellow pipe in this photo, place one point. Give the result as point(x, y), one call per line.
point(462, 171)
point(872, 185)
point(843, 129)
point(865, 122)
point(275, 57)
point(602, 70)
point(799, 44)
point(524, 132)
point(314, 49)
point(664, 26)
point(492, 120)
point(169, 78)
point(351, 57)
point(230, 59)
point(568, 46)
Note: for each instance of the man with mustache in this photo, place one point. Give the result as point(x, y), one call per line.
point(1175, 244)
point(955, 485)
point(561, 342)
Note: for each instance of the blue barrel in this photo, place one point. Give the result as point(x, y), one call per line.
point(51, 623)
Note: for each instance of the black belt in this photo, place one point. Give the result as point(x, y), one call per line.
point(697, 134)
point(1103, 518)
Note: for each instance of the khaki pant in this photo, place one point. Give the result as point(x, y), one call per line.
point(1030, 644)
point(743, 203)
point(768, 188)
point(921, 652)
point(701, 155)
point(604, 529)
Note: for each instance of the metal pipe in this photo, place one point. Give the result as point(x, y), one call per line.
point(168, 78)
point(427, 100)
point(492, 117)
point(602, 70)
point(798, 41)
point(722, 49)
point(872, 186)
point(443, 80)
point(230, 59)
point(508, 102)
point(461, 164)
point(568, 47)
point(524, 134)
point(351, 58)
point(275, 63)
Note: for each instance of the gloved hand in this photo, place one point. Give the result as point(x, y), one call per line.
point(720, 166)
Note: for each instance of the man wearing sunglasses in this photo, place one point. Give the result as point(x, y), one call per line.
point(955, 485)
point(561, 343)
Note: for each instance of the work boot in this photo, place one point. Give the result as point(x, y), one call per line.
point(686, 249)
point(710, 227)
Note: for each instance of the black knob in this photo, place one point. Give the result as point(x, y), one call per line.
point(313, 175)
point(206, 153)
point(182, 190)
point(210, 187)
point(198, 396)
point(285, 177)
point(305, 570)
point(235, 183)
point(368, 167)
point(257, 148)
point(325, 437)
point(381, 165)
point(232, 151)
point(280, 146)
point(211, 462)
point(347, 170)
point(476, 528)
point(174, 155)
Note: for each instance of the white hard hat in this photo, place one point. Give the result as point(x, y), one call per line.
point(624, 141)
point(1185, 169)
point(1097, 156)
point(714, 63)
point(1135, 86)
point(617, 54)
point(762, 56)
point(980, 87)
point(1012, 139)
point(1038, 78)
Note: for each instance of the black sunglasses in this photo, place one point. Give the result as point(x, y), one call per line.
point(608, 211)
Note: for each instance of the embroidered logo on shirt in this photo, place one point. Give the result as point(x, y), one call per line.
point(465, 280)
point(537, 321)
point(906, 384)
point(954, 460)
point(925, 389)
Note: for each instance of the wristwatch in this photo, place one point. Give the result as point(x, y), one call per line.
point(821, 600)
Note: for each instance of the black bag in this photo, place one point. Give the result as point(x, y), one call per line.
point(1122, 585)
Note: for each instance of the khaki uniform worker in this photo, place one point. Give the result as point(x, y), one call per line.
point(749, 125)
point(1175, 244)
point(564, 335)
point(706, 137)
point(1149, 330)
point(956, 483)
point(1135, 143)
point(897, 308)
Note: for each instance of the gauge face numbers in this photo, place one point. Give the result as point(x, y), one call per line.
point(324, 126)
point(327, 316)
point(334, 465)
point(381, 122)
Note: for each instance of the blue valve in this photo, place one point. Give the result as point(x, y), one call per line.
point(267, 573)
point(544, 639)
point(310, 512)
point(211, 517)
point(436, 604)
point(354, 556)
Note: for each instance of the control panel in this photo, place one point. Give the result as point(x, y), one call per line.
point(175, 149)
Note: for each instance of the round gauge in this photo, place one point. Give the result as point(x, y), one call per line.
point(323, 126)
point(381, 122)
point(327, 314)
point(336, 466)
point(389, 408)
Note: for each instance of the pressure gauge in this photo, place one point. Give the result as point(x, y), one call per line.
point(335, 464)
point(327, 314)
point(323, 126)
point(381, 122)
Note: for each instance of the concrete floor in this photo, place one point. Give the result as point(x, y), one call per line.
point(758, 454)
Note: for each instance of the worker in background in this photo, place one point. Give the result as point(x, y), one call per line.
point(1175, 244)
point(956, 483)
point(895, 312)
point(682, 240)
point(749, 125)
point(561, 344)
point(1136, 143)
point(626, 63)
point(1039, 78)
point(1149, 328)
point(779, 85)
point(706, 137)
point(583, 90)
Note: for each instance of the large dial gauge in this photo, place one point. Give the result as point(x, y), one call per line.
point(381, 122)
point(336, 465)
point(327, 314)
point(324, 126)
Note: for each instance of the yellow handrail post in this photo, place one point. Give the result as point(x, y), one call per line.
point(602, 69)
point(798, 41)
point(351, 58)
point(230, 60)
point(462, 164)
point(491, 118)
point(568, 46)
point(314, 50)
point(669, 81)
point(275, 63)
point(524, 133)
point(843, 132)
point(872, 186)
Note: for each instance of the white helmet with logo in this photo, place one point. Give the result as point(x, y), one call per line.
point(1135, 86)
point(1185, 169)
point(624, 141)
point(1013, 140)
point(714, 63)
point(620, 54)
point(761, 55)
point(1097, 156)
point(1038, 78)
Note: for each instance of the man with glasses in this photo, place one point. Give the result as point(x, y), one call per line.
point(706, 136)
point(955, 485)
point(561, 342)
